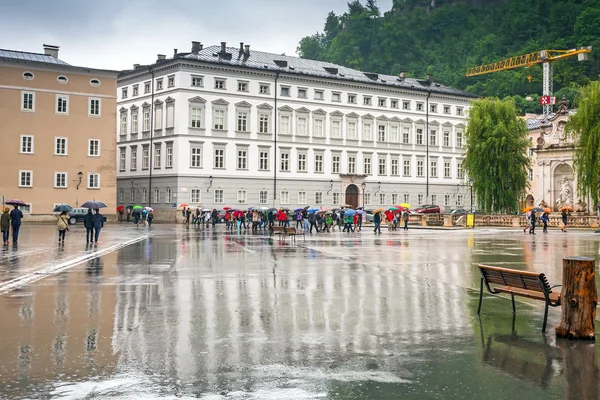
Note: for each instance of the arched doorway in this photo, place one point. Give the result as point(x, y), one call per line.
point(352, 195)
point(529, 201)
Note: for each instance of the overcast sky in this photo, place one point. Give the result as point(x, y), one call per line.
point(115, 34)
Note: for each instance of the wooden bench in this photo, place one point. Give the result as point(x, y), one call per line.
point(532, 285)
point(277, 230)
point(291, 231)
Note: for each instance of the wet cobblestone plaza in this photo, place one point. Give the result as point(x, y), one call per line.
point(174, 313)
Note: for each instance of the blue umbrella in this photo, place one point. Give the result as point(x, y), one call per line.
point(350, 212)
point(62, 207)
point(94, 204)
point(312, 210)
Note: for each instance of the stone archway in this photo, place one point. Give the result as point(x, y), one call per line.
point(529, 201)
point(352, 195)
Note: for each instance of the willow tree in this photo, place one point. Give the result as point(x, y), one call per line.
point(585, 125)
point(496, 154)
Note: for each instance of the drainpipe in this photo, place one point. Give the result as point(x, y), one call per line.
point(151, 149)
point(427, 148)
point(275, 145)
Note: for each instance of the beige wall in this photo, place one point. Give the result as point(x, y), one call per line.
point(44, 125)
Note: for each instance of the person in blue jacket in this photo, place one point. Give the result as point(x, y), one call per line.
point(98, 224)
point(15, 221)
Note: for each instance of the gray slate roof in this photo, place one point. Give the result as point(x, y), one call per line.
point(322, 69)
point(536, 123)
point(36, 57)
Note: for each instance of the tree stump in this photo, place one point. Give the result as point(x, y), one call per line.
point(578, 299)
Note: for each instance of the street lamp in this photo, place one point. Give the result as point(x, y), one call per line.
point(330, 186)
point(79, 176)
point(210, 181)
point(471, 190)
point(363, 186)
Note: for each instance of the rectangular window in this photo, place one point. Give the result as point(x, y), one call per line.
point(196, 157)
point(263, 123)
point(123, 126)
point(335, 199)
point(336, 129)
point(352, 130)
point(145, 158)
point(530, 174)
point(446, 140)
point(158, 118)
point(367, 165)
point(367, 133)
point(433, 199)
point(242, 121)
point(144, 195)
point(420, 199)
point(146, 87)
point(406, 168)
point(301, 162)
point(406, 135)
point(168, 195)
point(263, 160)
point(242, 159)
point(433, 108)
point(134, 122)
point(219, 119)
point(157, 156)
point(285, 161)
point(264, 88)
point(394, 134)
point(447, 200)
point(159, 84)
point(407, 198)
point(337, 97)
point(394, 104)
point(156, 195)
point(242, 196)
point(318, 197)
point(25, 178)
point(219, 158)
point(122, 159)
point(367, 100)
point(28, 101)
point(433, 137)
point(301, 197)
point(285, 91)
point(351, 164)
point(446, 109)
point(133, 159)
point(352, 98)
point(263, 197)
point(318, 163)
point(394, 198)
point(459, 111)
point(382, 166)
point(94, 107)
point(196, 117)
point(419, 136)
point(367, 199)
point(459, 139)
point(420, 168)
point(170, 115)
point(219, 83)
point(219, 195)
point(60, 146)
point(319, 95)
point(169, 161)
point(382, 102)
point(395, 167)
point(284, 125)
point(62, 104)
point(242, 86)
point(302, 93)
point(459, 170)
point(195, 196)
point(136, 90)
point(124, 93)
point(93, 181)
point(433, 169)
point(446, 169)
point(382, 199)
point(26, 144)
point(146, 120)
point(406, 105)
point(459, 200)
point(121, 198)
point(335, 164)
point(60, 180)
point(420, 106)
point(197, 81)
point(318, 128)
point(381, 133)
point(302, 122)
point(284, 197)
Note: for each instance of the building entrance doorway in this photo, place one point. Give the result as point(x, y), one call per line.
point(352, 196)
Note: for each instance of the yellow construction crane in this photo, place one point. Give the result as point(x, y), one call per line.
point(544, 57)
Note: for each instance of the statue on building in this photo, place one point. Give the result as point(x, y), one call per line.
point(543, 204)
point(565, 197)
point(580, 206)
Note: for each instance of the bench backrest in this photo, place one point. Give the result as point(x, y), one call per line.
point(511, 277)
point(290, 230)
point(278, 229)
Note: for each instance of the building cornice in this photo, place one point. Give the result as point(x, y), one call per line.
point(92, 72)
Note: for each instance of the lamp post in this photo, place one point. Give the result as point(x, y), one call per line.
point(210, 181)
point(471, 190)
point(363, 186)
point(78, 180)
point(330, 186)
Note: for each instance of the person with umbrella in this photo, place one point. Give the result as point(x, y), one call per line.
point(214, 216)
point(63, 226)
point(544, 218)
point(98, 225)
point(88, 223)
point(377, 221)
point(15, 221)
point(563, 216)
point(406, 218)
point(5, 225)
point(150, 216)
point(136, 212)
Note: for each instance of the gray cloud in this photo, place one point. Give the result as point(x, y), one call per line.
point(116, 34)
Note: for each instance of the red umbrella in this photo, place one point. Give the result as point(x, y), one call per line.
point(120, 208)
point(226, 208)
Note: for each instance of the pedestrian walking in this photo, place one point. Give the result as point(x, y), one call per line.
point(298, 220)
point(88, 223)
point(563, 215)
point(533, 221)
point(150, 217)
point(527, 221)
point(98, 224)
point(214, 216)
point(377, 222)
point(128, 214)
point(544, 220)
point(406, 218)
point(5, 225)
point(312, 218)
point(15, 223)
point(63, 226)
point(136, 218)
point(360, 221)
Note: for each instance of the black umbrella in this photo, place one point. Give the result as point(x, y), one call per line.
point(306, 208)
point(272, 210)
point(94, 204)
point(62, 207)
point(16, 202)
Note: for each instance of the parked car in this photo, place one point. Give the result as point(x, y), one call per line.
point(428, 209)
point(77, 214)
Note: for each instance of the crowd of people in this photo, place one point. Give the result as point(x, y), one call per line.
point(531, 220)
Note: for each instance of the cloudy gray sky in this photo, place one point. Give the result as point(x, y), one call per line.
point(116, 34)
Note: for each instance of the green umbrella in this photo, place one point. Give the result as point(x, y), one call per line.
point(138, 207)
point(129, 207)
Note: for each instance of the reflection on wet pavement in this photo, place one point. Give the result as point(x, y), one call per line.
point(201, 314)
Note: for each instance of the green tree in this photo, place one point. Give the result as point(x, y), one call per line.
point(585, 125)
point(496, 154)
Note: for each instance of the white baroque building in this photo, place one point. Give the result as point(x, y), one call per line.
point(222, 126)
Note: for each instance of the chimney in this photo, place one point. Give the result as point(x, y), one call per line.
point(223, 47)
point(136, 66)
point(247, 50)
point(51, 50)
point(174, 53)
point(160, 57)
point(241, 49)
point(196, 47)
point(403, 75)
point(430, 78)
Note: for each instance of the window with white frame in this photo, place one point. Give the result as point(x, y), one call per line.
point(367, 199)
point(124, 93)
point(132, 195)
point(263, 160)
point(433, 169)
point(335, 163)
point(133, 159)
point(62, 104)
point(459, 141)
point(27, 101)
point(407, 198)
point(459, 170)
point(394, 103)
point(530, 175)
point(93, 148)
point(336, 96)
point(318, 162)
point(219, 159)
point(446, 169)
point(242, 86)
point(285, 91)
point(459, 111)
point(420, 199)
point(284, 197)
point(382, 102)
point(263, 123)
point(406, 135)
point(394, 198)
point(146, 119)
point(367, 165)
point(432, 137)
point(382, 165)
point(367, 100)
point(25, 178)
point(196, 157)
point(157, 155)
point(335, 198)
point(136, 90)
point(394, 167)
point(242, 159)
point(122, 159)
point(121, 195)
point(219, 83)
point(336, 131)
point(242, 197)
point(168, 195)
point(242, 121)
point(284, 160)
point(302, 93)
point(420, 168)
point(93, 181)
point(446, 109)
point(219, 119)
point(145, 158)
point(156, 195)
point(382, 199)
point(301, 197)
point(394, 134)
point(447, 200)
point(60, 146)
point(319, 95)
point(144, 195)
point(170, 115)
point(134, 121)
point(381, 133)
point(158, 117)
point(146, 87)
point(195, 196)
point(123, 125)
point(26, 144)
point(263, 197)
point(419, 135)
point(301, 162)
point(433, 108)
point(446, 139)
point(459, 200)
point(302, 122)
point(196, 117)
point(420, 106)
point(406, 105)
point(60, 180)
point(284, 125)
point(367, 131)
point(197, 81)
point(352, 130)
point(406, 167)
point(169, 158)
point(352, 99)
point(318, 197)
point(318, 131)
point(351, 164)
point(94, 107)
point(219, 196)
point(264, 88)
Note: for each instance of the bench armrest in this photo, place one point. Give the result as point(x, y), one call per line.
point(552, 287)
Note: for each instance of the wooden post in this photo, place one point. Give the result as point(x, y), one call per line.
point(578, 299)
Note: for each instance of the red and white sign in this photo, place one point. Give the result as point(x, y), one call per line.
point(546, 100)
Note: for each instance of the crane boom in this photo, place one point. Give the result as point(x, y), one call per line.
point(527, 60)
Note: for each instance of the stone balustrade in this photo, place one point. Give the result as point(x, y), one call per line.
point(576, 221)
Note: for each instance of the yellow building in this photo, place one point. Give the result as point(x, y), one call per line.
point(58, 132)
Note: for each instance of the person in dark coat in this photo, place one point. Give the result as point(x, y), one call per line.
point(377, 222)
point(150, 217)
point(214, 216)
point(98, 224)
point(15, 221)
point(88, 223)
point(5, 225)
point(563, 215)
